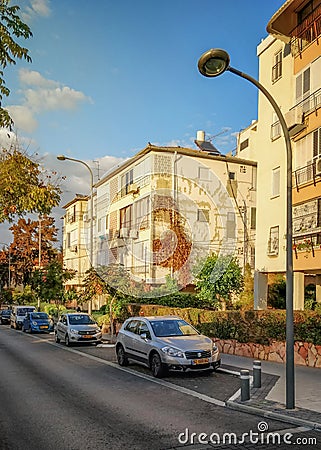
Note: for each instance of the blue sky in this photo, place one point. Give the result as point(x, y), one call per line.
point(108, 76)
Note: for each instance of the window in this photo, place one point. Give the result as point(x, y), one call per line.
point(132, 326)
point(305, 12)
point(126, 179)
point(203, 215)
point(273, 244)
point(126, 217)
point(243, 169)
point(231, 175)
point(142, 213)
point(253, 218)
point(303, 88)
point(276, 182)
point(203, 173)
point(317, 143)
point(254, 178)
point(277, 66)
point(106, 222)
point(244, 144)
point(275, 127)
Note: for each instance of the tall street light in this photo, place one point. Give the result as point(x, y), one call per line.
point(9, 263)
point(211, 64)
point(91, 237)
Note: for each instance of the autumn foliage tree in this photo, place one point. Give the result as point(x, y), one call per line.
point(24, 186)
point(24, 249)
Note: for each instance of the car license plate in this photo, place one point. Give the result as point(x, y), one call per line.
point(201, 361)
point(43, 326)
point(87, 336)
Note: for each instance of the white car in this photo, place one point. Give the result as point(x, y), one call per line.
point(77, 328)
point(165, 343)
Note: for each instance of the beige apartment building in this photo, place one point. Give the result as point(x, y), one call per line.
point(75, 239)
point(290, 68)
point(166, 207)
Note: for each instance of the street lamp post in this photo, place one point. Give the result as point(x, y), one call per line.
point(211, 64)
point(91, 236)
point(9, 263)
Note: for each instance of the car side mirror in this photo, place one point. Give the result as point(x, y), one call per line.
point(144, 336)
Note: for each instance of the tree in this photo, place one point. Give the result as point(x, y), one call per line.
point(11, 27)
point(24, 187)
point(218, 278)
point(24, 250)
point(49, 282)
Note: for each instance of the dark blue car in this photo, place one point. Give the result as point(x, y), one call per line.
point(37, 322)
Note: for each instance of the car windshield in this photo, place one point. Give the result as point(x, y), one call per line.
point(40, 316)
point(81, 319)
point(23, 311)
point(166, 328)
point(6, 312)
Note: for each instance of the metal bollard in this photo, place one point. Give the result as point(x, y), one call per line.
point(256, 374)
point(245, 385)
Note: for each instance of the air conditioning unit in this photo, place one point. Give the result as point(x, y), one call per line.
point(132, 188)
point(124, 232)
point(73, 248)
point(295, 120)
point(133, 234)
point(318, 166)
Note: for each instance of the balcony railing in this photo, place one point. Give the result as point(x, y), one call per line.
point(306, 32)
point(311, 103)
point(304, 175)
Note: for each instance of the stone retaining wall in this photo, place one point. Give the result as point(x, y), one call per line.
point(305, 354)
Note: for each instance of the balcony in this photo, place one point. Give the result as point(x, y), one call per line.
point(306, 32)
point(304, 175)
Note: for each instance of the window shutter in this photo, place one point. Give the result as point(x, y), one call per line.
point(298, 88)
point(306, 81)
point(315, 143)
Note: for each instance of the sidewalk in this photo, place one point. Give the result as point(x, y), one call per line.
point(269, 400)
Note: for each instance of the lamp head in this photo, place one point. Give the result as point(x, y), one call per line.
point(61, 157)
point(213, 62)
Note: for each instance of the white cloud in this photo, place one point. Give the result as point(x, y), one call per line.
point(23, 118)
point(59, 98)
point(34, 78)
point(41, 95)
point(36, 8)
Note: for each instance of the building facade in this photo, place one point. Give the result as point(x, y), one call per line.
point(290, 68)
point(166, 207)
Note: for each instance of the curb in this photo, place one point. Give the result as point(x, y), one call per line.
point(273, 415)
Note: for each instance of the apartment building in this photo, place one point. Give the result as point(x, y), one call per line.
point(290, 68)
point(164, 208)
point(75, 239)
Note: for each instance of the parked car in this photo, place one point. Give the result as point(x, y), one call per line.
point(77, 328)
point(18, 314)
point(165, 343)
point(5, 315)
point(36, 322)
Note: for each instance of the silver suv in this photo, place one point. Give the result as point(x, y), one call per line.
point(77, 328)
point(165, 343)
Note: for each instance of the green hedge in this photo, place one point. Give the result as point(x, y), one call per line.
point(245, 326)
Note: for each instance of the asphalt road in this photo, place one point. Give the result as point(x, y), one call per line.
point(53, 397)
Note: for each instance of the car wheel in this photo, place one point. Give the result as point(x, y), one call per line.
point(57, 338)
point(157, 367)
point(121, 356)
point(67, 341)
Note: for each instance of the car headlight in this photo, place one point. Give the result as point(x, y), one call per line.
point(214, 349)
point(172, 351)
point(73, 331)
point(98, 330)
point(34, 323)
